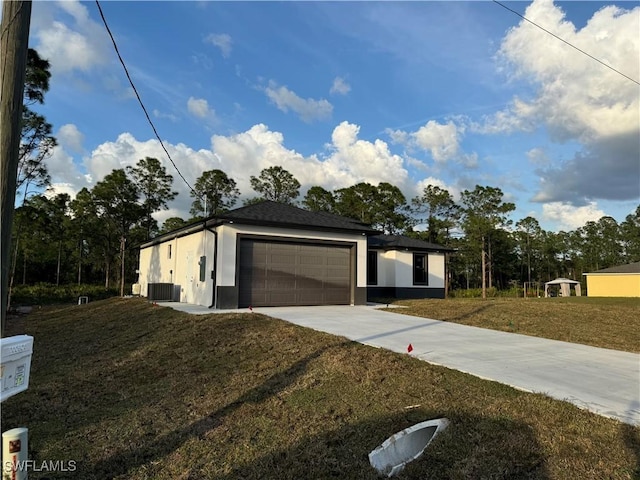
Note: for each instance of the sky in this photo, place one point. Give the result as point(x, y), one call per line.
point(453, 94)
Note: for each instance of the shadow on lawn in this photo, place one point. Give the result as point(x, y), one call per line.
point(631, 436)
point(472, 447)
point(125, 461)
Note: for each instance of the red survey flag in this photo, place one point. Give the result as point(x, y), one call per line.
point(410, 348)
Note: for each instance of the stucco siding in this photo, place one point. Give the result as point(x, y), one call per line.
point(613, 285)
point(436, 270)
point(395, 269)
point(182, 268)
point(386, 268)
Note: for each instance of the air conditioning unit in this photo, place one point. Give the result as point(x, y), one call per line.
point(136, 288)
point(160, 292)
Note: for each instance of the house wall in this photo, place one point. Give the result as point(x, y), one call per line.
point(182, 269)
point(395, 269)
point(613, 285)
point(395, 276)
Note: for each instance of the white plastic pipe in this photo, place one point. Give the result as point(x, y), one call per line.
point(392, 456)
point(15, 454)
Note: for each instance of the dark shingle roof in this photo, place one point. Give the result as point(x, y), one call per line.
point(628, 268)
point(270, 213)
point(395, 242)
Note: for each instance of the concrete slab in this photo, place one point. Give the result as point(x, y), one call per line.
point(603, 381)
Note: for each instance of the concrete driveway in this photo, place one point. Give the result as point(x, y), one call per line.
point(606, 382)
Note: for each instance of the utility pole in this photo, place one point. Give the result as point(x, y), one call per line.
point(14, 43)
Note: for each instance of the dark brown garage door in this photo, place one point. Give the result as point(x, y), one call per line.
point(280, 273)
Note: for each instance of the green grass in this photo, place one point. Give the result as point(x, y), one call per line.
point(150, 393)
point(601, 322)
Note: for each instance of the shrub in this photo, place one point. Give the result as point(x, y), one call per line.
point(48, 293)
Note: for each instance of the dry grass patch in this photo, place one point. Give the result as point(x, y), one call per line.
point(601, 322)
point(150, 393)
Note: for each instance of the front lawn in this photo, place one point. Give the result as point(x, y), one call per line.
point(601, 322)
point(132, 391)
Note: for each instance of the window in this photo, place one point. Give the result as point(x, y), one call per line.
point(169, 251)
point(372, 267)
point(203, 268)
point(420, 273)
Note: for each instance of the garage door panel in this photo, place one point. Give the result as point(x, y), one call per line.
point(280, 298)
point(281, 273)
point(335, 295)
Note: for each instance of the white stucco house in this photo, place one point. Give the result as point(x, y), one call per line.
point(271, 254)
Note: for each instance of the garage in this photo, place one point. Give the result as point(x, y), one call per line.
point(279, 273)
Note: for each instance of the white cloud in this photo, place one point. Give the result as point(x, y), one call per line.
point(70, 137)
point(308, 110)
point(222, 41)
point(347, 161)
point(537, 156)
point(569, 217)
point(169, 116)
point(80, 44)
point(340, 87)
point(353, 160)
point(65, 174)
point(578, 99)
point(440, 140)
point(199, 107)
point(397, 136)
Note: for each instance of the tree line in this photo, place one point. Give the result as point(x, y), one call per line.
point(60, 240)
point(91, 238)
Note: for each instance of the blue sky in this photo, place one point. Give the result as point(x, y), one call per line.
point(413, 93)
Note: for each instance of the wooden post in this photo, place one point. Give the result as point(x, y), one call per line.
point(16, 18)
point(484, 271)
point(123, 241)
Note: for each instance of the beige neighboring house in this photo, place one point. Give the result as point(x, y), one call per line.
point(271, 254)
point(620, 281)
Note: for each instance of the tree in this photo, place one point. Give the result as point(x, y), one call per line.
point(391, 206)
point(318, 199)
point(252, 201)
point(276, 184)
point(357, 202)
point(37, 141)
point(116, 199)
point(630, 236)
point(483, 210)
point(381, 207)
point(437, 209)
point(528, 237)
point(214, 193)
point(84, 227)
point(44, 243)
point(172, 223)
point(59, 222)
point(154, 184)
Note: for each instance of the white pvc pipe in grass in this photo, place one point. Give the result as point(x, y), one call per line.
point(392, 456)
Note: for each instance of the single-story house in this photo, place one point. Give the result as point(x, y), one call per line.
point(619, 281)
point(272, 254)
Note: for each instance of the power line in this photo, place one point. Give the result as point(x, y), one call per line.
point(126, 71)
point(564, 41)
